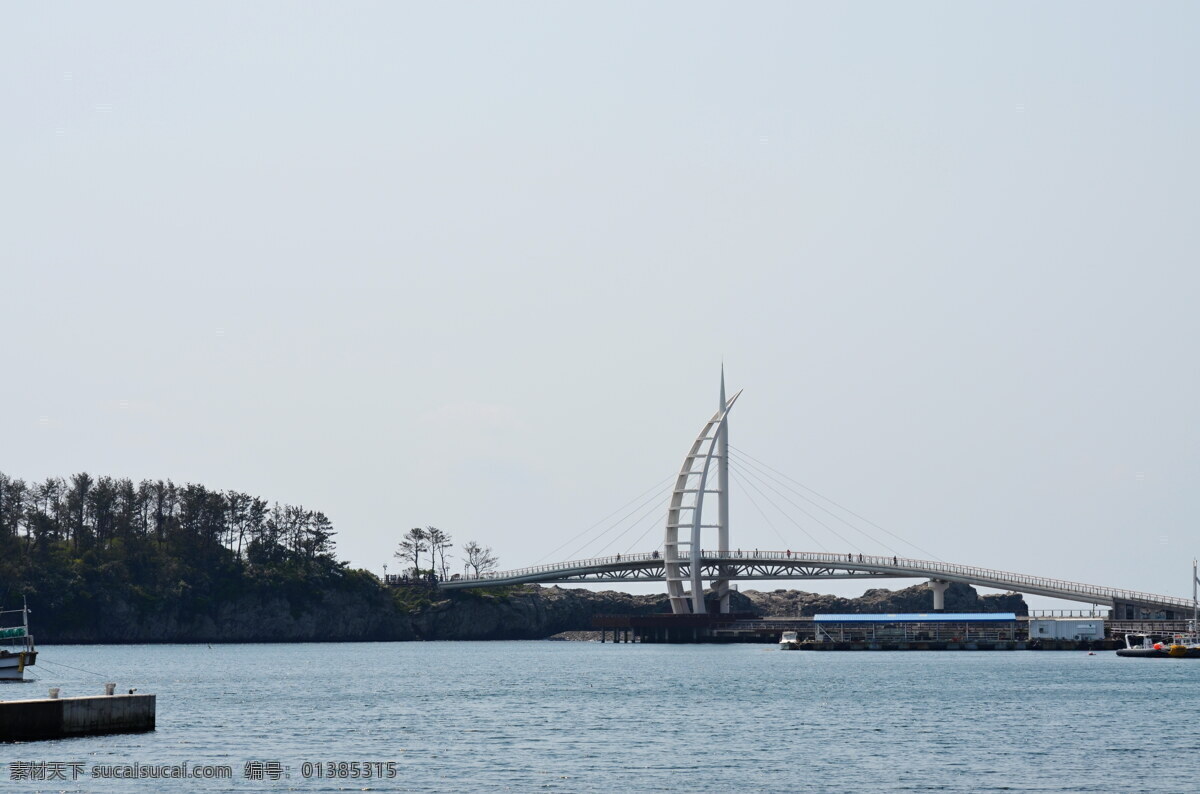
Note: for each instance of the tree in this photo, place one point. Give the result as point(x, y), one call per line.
point(163, 503)
point(102, 504)
point(13, 496)
point(78, 522)
point(439, 541)
point(415, 542)
point(128, 505)
point(480, 559)
point(318, 538)
point(44, 517)
point(253, 527)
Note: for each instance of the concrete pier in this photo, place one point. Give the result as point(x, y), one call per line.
point(56, 718)
point(939, 587)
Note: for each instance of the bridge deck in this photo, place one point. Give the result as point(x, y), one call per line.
point(779, 565)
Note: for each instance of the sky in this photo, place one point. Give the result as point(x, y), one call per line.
point(477, 265)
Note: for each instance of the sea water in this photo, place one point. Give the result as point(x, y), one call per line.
point(578, 717)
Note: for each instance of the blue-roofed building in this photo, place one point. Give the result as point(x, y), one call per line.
point(917, 626)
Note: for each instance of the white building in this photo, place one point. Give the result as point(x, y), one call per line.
point(1066, 629)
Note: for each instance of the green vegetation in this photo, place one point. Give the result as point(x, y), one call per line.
point(80, 545)
point(104, 559)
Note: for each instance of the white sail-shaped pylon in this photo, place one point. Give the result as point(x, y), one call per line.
point(687, 512)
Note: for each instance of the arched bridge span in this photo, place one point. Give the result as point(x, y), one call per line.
point(779, 565)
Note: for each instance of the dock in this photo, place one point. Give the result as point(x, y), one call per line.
point(930, 632)
point(89, 715)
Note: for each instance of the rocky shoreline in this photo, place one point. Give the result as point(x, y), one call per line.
point(530, 612)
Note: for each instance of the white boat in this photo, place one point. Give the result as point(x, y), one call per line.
point(790, 641)
point(1144, 646)
point(1185, 645)
point(17, 650)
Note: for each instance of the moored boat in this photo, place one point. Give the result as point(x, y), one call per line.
point(1145, 646)
point(17, 650)
point(1174, 646)
point(790, 641)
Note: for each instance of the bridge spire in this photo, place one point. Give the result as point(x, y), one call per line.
point(722, 585)
point(687, 512)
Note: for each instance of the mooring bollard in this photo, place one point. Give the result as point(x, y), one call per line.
point(53, 693)
point(108, 688)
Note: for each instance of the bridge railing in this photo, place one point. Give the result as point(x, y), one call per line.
point(977, 573)
point(905, 564)
point(594, 562)
point(1083, 614)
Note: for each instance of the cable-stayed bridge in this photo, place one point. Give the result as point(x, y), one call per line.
point(685, 565)
point(783, 565)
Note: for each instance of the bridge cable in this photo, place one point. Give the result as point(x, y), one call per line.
point(750, 498)
point(750, 461)
point(747, 458)
point(652, 502)
point(783, 495)
point(745, 481)
point(637, 515)
point(771, 482)
point(653, 512)
point(647, 532)
point(658, 485)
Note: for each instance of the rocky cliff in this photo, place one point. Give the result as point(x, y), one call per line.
point(364, 611)
point(918, 598)
point(345, 614)
point(527, 613)
point(351, 613)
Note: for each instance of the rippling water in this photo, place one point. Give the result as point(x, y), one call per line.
point(589, 717)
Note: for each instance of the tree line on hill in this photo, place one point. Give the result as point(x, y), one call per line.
point(83, 546)
point(116, 518)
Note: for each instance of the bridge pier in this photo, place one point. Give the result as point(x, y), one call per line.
point(938, 587)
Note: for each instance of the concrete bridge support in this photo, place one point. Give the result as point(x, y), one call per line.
point(939, 594)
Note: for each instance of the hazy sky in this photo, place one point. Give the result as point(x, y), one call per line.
point(476, 265)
